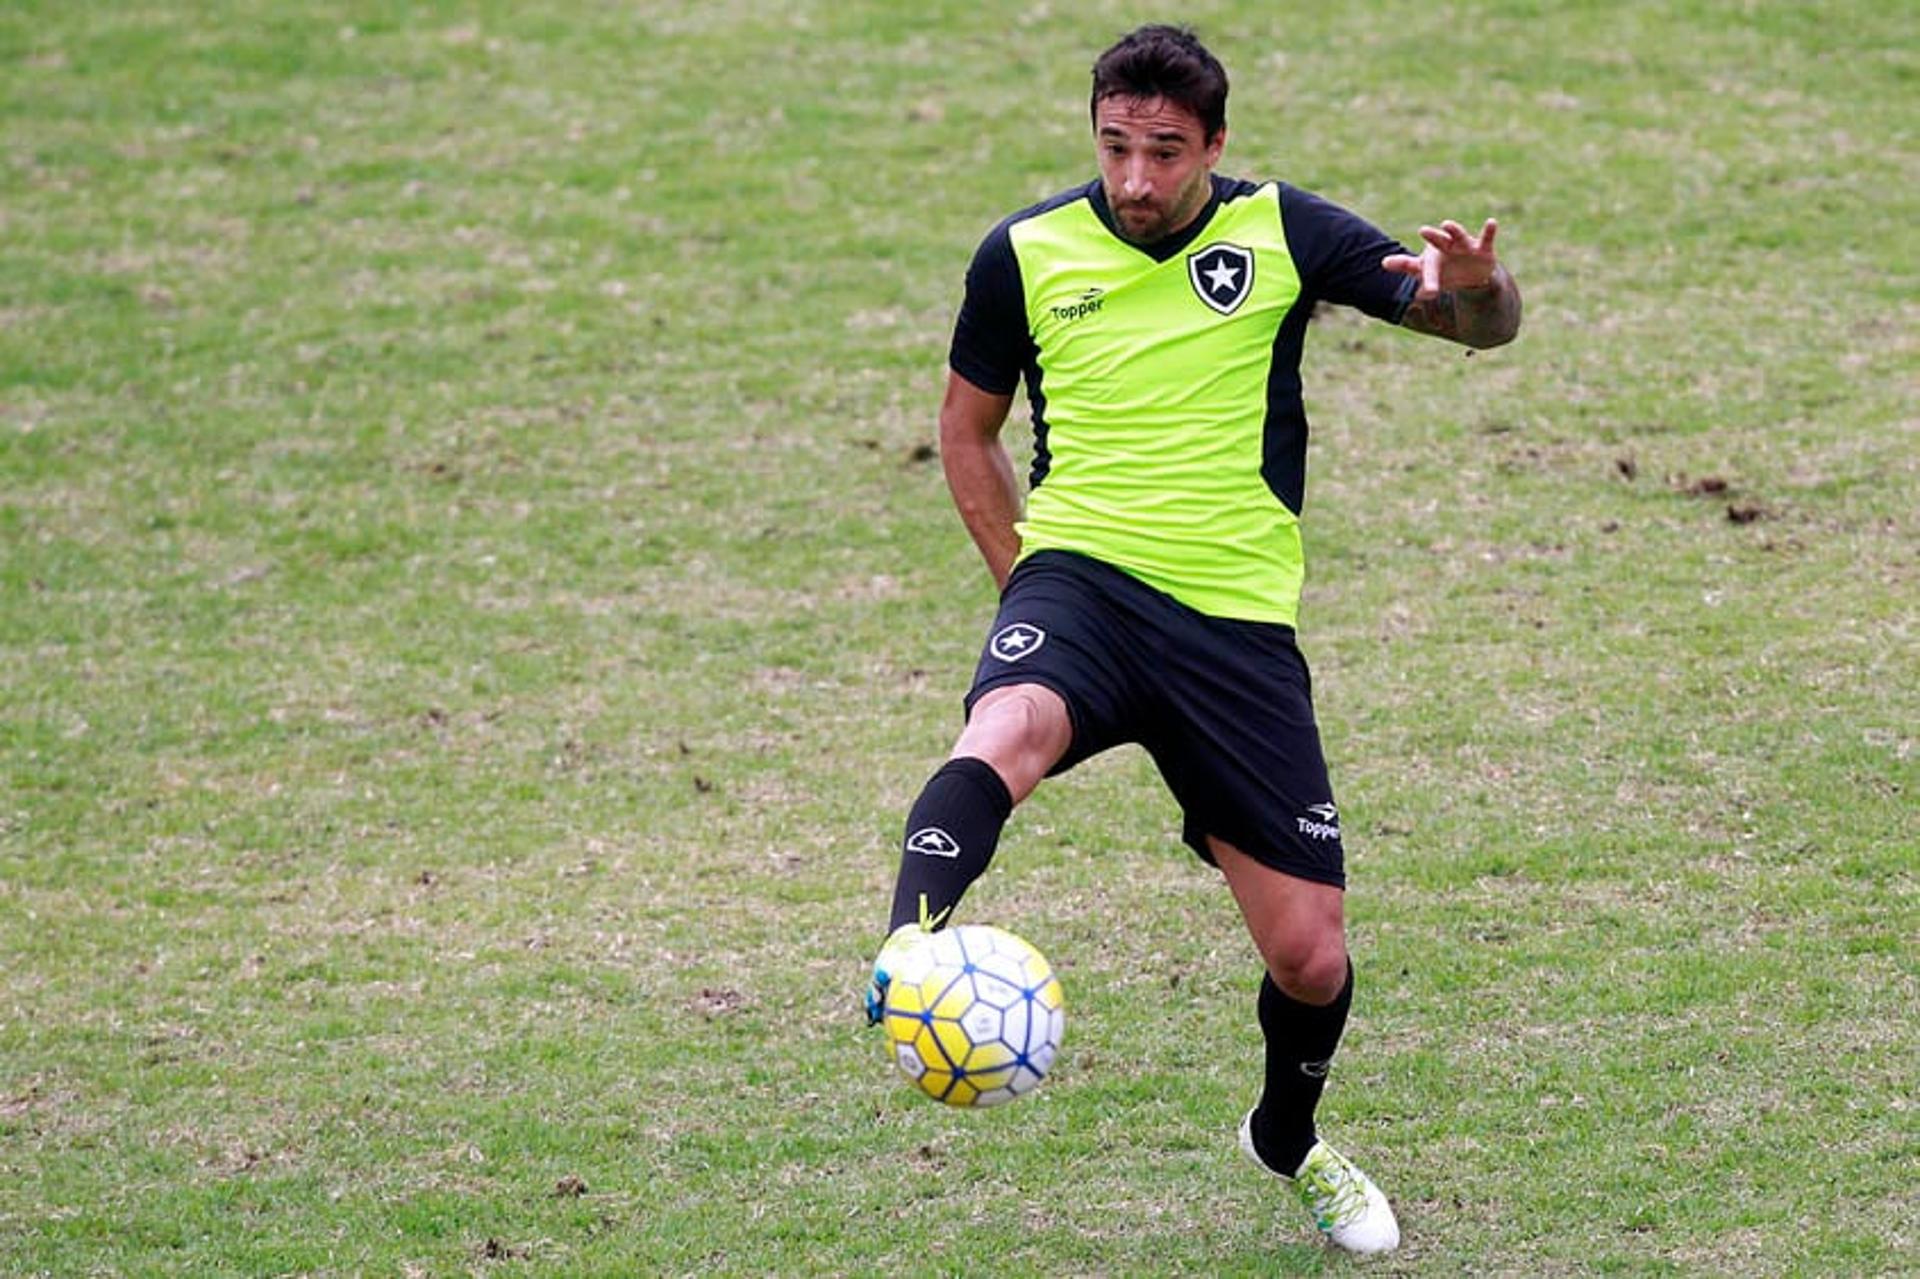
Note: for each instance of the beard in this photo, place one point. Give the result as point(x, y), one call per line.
point(1149, 221)
point(1143, 222)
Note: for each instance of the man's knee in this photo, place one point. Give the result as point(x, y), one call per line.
point(1311, 968)
point(1022, 730)
point(1298, 925)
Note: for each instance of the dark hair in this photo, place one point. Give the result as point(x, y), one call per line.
point(1159, 61)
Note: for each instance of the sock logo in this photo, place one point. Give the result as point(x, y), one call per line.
point(1011, 643)
point(931, 841)
point(1316, 1069)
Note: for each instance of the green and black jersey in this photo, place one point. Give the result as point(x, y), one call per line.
point(1169, 436)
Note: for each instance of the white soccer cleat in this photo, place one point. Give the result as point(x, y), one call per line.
point(1347, 1207)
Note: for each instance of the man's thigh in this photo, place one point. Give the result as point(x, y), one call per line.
point(1058, 627)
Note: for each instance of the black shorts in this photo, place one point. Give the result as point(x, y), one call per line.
point(1224, 707)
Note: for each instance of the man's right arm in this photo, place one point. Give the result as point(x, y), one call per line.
point(1465, 295)
point(979, 471)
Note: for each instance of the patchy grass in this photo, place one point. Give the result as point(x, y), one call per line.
point(478, 597)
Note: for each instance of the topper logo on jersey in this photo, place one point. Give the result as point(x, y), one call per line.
point(1011, 643)
point(1087, 302)
point(1222, 275)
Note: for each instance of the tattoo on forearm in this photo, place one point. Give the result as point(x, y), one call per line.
point(1473, 317)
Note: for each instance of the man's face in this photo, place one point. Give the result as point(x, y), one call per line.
point(1155, 162)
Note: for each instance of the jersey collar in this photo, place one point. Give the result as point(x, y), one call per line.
point(1159, 250)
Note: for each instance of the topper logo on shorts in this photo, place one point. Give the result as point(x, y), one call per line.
point(1324, 824)
point(1011, 643)
point(931, 841)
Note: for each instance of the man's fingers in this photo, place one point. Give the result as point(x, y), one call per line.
point(1447, 242)
point(1451, 237)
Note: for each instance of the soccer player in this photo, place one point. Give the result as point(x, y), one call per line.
point(1149, 590)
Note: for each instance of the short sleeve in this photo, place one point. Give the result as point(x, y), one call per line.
point(991, 342)
point(1338, 256)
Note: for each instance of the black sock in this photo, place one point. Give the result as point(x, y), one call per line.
point(951, 834)
point(1300, 1043)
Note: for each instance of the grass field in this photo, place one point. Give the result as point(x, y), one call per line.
point(477, 597)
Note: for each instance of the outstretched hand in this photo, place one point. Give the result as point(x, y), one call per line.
point(1452, 259)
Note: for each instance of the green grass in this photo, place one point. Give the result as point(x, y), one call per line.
point(475, 604)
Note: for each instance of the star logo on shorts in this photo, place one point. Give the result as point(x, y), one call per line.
point(1011, 643)
point(931, 841)
point(1222, 274)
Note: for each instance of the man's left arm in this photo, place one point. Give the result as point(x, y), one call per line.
point(1465, 295)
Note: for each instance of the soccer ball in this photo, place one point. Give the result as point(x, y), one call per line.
point(974, 1016)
